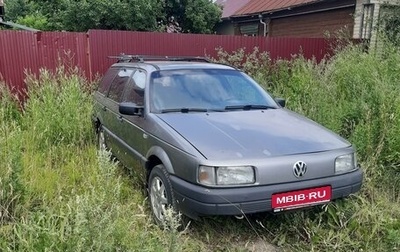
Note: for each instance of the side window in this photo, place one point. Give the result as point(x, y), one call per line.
point(134, 91)
point(118, 84)
point(105, 83)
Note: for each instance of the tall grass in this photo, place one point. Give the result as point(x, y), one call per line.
point(58, 109)
point(57, 193)
point(355, 94)
point(11, 187)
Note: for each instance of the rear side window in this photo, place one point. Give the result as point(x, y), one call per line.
point(118, 84)
point(135, 88)
point(105, 83)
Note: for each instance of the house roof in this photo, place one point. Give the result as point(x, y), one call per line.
point(262, 6)
point(230, 6)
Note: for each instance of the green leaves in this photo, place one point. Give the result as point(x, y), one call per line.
point(390, 21)
point(196, 16)
point(113, 15)
point(200, 16)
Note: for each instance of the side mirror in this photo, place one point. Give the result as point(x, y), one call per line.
point(129, 108)
point(281, 102)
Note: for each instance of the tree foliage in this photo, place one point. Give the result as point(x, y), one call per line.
point(15, 9)
point(200, 17)
point(104, 14)
point(390, 20)
point(195, 16)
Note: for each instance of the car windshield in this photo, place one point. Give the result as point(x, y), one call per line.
point(206, 90)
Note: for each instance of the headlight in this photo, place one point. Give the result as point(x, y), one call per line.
point(226, 175)
point(345, 163)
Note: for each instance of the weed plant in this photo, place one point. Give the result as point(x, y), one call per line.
point(11, 187)
point(57, 193)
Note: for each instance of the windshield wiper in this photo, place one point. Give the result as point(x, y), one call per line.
point(248, 107)
point(184, 110)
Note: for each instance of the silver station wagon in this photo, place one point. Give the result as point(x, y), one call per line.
point(211, 141)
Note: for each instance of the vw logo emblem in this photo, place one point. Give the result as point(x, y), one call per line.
point(299, 169)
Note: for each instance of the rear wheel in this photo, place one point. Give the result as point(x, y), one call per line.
point(161, 195)
point(101, 140)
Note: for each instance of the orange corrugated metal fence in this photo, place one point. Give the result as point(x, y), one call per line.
point(22, 51)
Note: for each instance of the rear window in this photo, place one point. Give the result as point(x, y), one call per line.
point(118, 84)
point(105, 83)
point(134, 91)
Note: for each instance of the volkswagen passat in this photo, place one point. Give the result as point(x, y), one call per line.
point(211, 141)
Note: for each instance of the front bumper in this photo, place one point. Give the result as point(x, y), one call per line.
point(194, 200)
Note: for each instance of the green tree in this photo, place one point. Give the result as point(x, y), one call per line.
point(34, 14)
point(15, 9)
point(104, 14)
point(194, 16)
point(201, 16)
point(37, 21)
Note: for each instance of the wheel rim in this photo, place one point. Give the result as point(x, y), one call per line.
point(158, 197)
point(102, 141)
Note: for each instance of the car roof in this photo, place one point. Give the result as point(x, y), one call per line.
point(155, 63)
point(172, 65)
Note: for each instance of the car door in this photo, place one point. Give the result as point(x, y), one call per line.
point(130, 129)
point(111, 117)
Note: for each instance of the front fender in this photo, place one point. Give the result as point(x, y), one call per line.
point(163, 156)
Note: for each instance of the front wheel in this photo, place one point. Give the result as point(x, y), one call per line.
point(161, 195)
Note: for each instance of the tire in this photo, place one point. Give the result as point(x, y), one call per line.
point(101, 140)
point(161, 195)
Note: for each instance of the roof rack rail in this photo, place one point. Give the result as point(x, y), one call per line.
point(142, 58)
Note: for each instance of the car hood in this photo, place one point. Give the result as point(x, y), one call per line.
point(252, 134)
